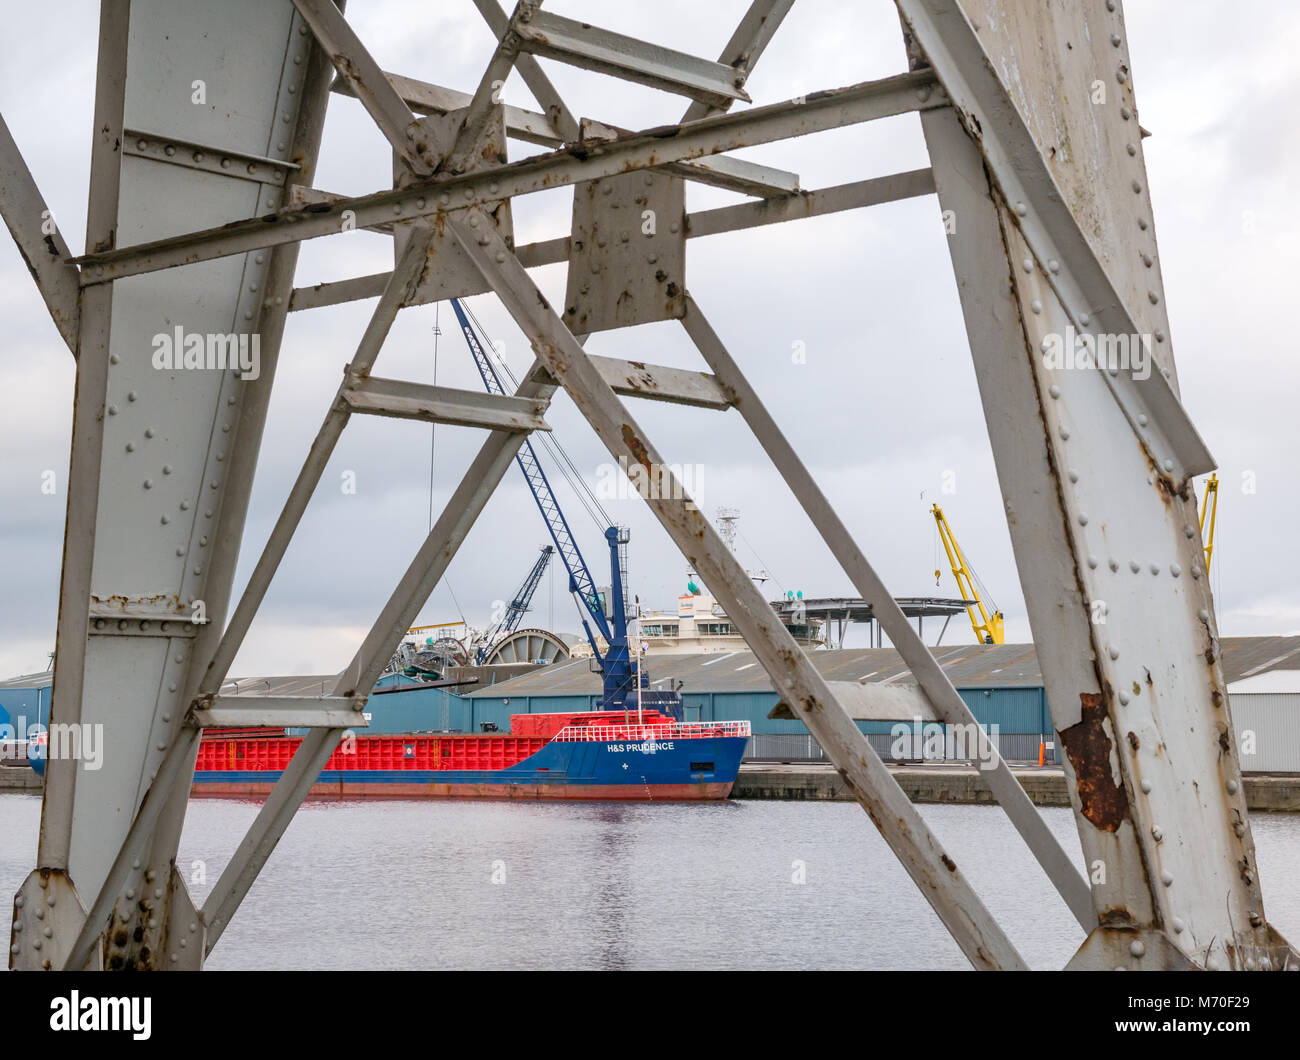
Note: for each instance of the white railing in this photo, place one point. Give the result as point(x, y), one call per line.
point(675, 730)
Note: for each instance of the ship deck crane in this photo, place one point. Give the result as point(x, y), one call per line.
point(988, 627)
point(1209, 503)
point(609, 618)
point(517, 607)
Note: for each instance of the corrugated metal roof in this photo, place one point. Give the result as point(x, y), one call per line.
point(1284, 681)
point(41, 680)
point(967, 666)
point(298, 685)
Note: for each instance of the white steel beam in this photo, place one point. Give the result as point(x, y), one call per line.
point(747, 43)
point(87, 438)
point(873, 702)
point(266, 831)
point(561, 119)
point(531, 127)
point(743, 50)
point(441, 404)
point(1095, 466)
point(946, 703)
point(426, 98)
point(462, 156)
point(719, 221)
point(656, 382)
point(426, 570)
point(447, 535)
point(401, 284)
point(1048, 225)
point(148, 480)
point(174, 770)
point(169, 936)
point(817, 112)
point(368, 83)
point(288, 712)
point(720, 171)
point(39, 240)
point(1111, 566)
point(580, 44)
point(792, 673)
point(860, 193)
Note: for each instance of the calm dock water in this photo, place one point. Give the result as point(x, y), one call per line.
point(449, 884)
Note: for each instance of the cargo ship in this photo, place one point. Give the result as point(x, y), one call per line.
point(611, 755)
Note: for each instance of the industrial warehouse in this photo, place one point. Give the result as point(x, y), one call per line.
point(1001, 684)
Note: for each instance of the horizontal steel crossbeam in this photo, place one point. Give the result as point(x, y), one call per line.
point(205, 158)
point(424, 97)
point(816, 112)
point(580, 44)
point(873, 702)
point(529, 126)
point(677, 386)
point(441, 404)
point(720, 171)
point(309, 712)
point(719, 221)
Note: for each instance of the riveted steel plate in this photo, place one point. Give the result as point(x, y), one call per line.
point(628, 259)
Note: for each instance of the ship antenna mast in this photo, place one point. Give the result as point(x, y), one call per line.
point(727, 526)
point(637, 644)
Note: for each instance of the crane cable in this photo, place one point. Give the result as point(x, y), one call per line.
point(433, 455)
point(576, 482)
point(563, 463)
point(761, 564)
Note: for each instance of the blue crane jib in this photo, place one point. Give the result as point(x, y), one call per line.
point(619, 677)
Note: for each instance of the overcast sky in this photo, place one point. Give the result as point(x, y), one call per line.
point(885, 405)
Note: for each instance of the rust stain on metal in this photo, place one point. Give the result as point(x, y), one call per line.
point(1116, 917)
point(637, 446)
point(948, 863)
point(1102, 800)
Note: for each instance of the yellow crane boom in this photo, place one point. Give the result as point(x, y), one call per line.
point(436, 625)
point(1210, 503)
point(988, 627)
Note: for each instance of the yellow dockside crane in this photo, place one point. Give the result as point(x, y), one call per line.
point(988, 628)
point(1210, 503)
